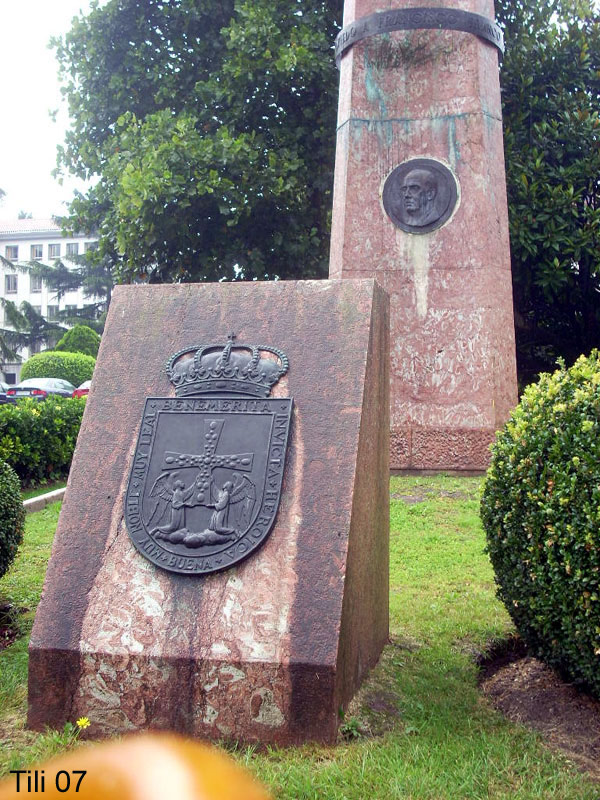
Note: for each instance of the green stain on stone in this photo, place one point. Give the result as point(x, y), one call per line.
point(446, 126)
point(376, 95)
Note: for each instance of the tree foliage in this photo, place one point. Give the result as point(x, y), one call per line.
point(79, 339)
point(211, 130)
point(28, 329)
point(90, 272)
point(551, 86)
point(211, 127)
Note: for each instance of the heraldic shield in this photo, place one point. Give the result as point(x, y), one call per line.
point(208, 467)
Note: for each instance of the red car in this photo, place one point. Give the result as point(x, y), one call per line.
point(83, 389)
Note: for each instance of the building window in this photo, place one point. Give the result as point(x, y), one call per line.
point(37, 252)
point(53, 251)
point(35, 283)
point(10, 284)
point(52, 312)
point(73, 249)
point(37, 309)
point(36, 347)
point(90, 246)
point(10, 378)
point(11, 251)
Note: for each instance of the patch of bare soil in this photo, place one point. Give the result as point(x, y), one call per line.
point(9, 629)
point(527, 691)
point(412, 499)
point(375, 708)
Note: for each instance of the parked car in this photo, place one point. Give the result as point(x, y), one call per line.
point(4, 398)
point(40, 388)
point(82, 390)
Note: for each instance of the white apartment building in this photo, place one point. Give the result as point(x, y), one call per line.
point(25, 240)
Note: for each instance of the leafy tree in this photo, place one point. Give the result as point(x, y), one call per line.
point(90, 272)
point(551, 83)
point(27, 329)
point(211, 128)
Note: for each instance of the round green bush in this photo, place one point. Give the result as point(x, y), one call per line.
point(73, 367)
point(12, 516)
point(541, 512)
point(79, 339)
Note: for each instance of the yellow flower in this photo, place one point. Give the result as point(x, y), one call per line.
point(82, 723)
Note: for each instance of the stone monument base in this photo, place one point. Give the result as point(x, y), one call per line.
point(266, 651)
point(441, 449)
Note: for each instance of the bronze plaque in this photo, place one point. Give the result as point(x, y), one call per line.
point(208, 467)
point(420, 195)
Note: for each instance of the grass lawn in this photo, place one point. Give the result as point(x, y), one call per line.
point(419, 729)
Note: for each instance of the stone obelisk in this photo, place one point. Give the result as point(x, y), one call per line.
point(420, 204)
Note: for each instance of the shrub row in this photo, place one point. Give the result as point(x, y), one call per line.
point(37, 439)
point(541, 512)
point(12, 516)
point(73, 367)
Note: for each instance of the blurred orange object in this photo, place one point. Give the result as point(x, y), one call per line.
point(142, 767)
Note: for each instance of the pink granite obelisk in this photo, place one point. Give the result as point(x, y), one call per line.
point(431, 96)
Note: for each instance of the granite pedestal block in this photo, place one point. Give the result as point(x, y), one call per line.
point(266, 651)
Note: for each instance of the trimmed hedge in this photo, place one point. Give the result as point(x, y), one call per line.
point(541, 512)
point(79, 339)
point(73, 367)
point(37, 438)
point(12, 516)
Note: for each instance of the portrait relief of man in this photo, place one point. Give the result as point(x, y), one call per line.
point(420, 195)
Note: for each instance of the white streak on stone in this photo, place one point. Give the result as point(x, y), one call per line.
point(130, 643)
point(234, 583)
point(233, 672)
point(415, 249)
point(269, 713)
point(219, 649)
point(208, 686)
point(231, 604)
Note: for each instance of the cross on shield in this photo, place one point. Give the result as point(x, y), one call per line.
point(210, 459)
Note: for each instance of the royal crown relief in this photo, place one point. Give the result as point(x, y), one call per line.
point(207, 473)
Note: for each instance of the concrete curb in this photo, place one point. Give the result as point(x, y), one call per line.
point(42, 500)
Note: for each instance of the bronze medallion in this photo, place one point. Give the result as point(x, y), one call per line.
point(420, 195)
point(208, 467)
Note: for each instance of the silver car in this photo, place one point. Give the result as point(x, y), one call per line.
point(40, 388)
